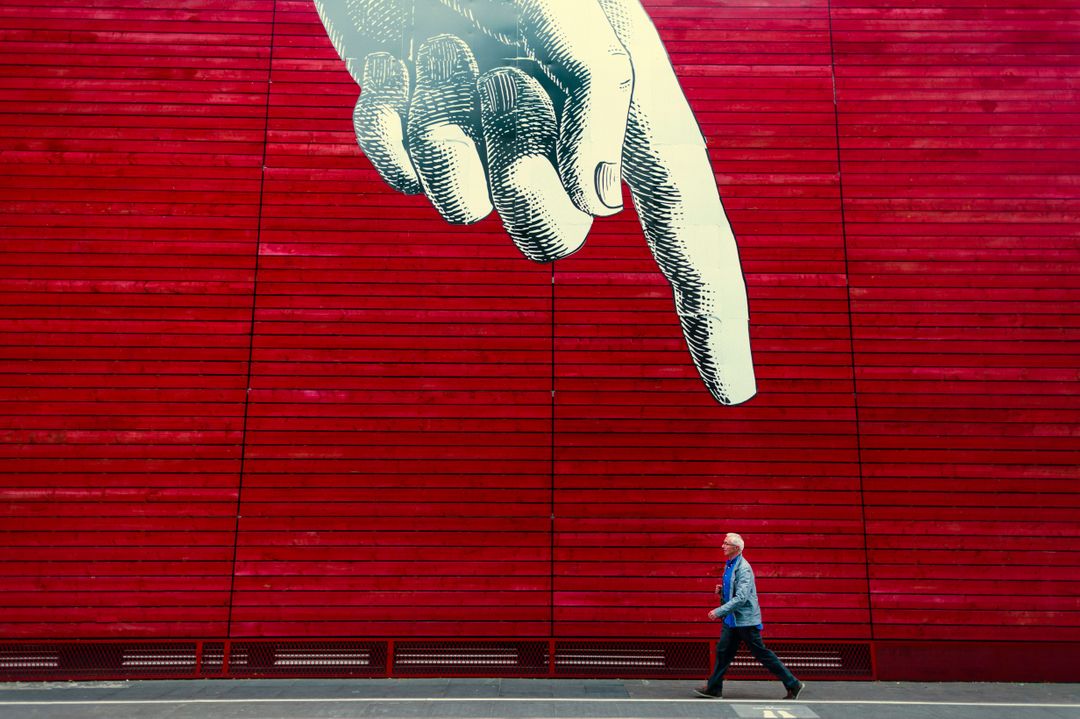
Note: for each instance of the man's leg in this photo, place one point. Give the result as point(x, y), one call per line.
point(752, 637)
point(726, 649)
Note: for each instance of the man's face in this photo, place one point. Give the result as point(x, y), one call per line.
point(730, 550)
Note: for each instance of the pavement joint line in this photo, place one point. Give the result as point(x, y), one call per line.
point(399, 700)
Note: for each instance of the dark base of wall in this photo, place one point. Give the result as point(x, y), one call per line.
point(582, 658)
point(977, 661)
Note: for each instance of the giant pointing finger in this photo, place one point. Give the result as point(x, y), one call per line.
point(667, 168)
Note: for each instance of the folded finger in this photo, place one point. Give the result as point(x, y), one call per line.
point(443, 130)
point(378, 120)
point(521, 135)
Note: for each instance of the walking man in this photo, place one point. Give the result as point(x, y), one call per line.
point(742, 623)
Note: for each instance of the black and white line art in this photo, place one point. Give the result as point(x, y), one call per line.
point(541, 110)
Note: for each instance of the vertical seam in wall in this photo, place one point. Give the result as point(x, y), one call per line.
point(251, 326)
point(851, 322)
point(551, 533)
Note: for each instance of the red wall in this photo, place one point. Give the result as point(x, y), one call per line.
point(248, 391)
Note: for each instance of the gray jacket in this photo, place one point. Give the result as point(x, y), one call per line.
point(743, 603)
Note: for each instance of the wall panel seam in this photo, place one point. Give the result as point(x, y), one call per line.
point(851, 322)
point(251, 326)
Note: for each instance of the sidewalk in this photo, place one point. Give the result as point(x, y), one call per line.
point(528, 699)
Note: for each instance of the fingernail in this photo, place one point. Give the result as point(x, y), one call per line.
point(381, 70)
point(498, 92)
point(609, 184)
point(443, 58)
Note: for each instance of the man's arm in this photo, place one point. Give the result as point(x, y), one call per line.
point(742, 588)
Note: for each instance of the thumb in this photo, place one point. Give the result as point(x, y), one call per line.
point(578, 50)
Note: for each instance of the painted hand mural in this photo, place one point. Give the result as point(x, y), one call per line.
point(542, 109)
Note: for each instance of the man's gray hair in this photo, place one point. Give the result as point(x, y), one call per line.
point(736, 540)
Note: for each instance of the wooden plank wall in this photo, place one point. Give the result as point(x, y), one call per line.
point(248, 391)
point(132, 144)
point(959, 124)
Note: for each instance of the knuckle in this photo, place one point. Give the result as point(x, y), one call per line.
point(611, 70)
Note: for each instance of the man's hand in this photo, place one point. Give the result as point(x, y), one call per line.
point(575, 96)
point(713, 615)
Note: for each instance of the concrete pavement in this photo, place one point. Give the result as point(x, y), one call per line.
point(528, 699)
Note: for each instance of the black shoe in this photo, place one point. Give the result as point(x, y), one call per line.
point(705, 694)
point(795, 691)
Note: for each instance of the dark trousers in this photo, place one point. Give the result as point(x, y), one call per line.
point(729, 644)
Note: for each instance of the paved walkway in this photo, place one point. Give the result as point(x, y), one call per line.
point(528, 699)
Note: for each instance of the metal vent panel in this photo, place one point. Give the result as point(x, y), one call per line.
point(97, 659)
point(331, 659)
point(840, 660)
point(631, 659)
point(488, 658)
point(213, 659)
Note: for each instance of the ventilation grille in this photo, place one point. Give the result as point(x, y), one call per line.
point(470, 658)
point(331, 659)
point(213, 659)
point(631, 659)
point(846, 661)
point(97, 660)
